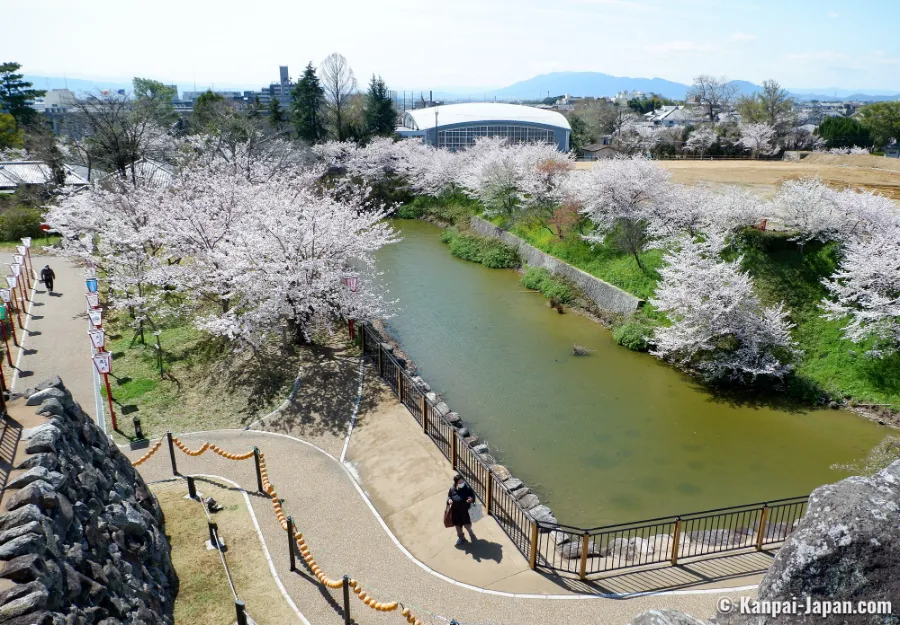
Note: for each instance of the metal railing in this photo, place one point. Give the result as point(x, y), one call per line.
point(578, 551)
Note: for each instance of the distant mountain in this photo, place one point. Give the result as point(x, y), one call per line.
point(597, 84)
point(79, 85)
point(593, 84)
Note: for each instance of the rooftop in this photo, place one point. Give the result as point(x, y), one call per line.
point(485, 111)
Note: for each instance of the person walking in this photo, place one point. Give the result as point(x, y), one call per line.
point(460, 497)
point(47, 277)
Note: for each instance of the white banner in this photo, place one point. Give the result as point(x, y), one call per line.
point(98, 337)
point(93, 299)
point(103, 362)
point(26, 241)
point(12, 281)
point(90, 272)
point(16, 268)
point(18, 259)
point(21, 249)
point(5, 295)
point(96, 315)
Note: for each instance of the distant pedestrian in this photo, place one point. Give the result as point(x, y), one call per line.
point(460, 497)
point(47, 276)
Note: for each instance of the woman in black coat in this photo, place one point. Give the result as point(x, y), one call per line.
point(460, 497)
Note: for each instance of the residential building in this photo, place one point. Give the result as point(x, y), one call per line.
point(16, 175)
point(674, 115)
point(892, 150)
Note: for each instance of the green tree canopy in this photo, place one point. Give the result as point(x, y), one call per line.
point(883, 121)
point(771, 106)
point(308, 100)
point(210, 111)
point(277, 116)
point(580, 136)
point(156, 99)
point(380, 115)
point(646, 104)
point(10, 135)
point(16, 95)
point(844, 132)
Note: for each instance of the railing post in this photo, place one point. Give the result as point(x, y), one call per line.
point(346, 600)
point(241, 610)
point(454, 449)
point(362, 339)
point(676, 538)
point(400, 373)
point(380, 361)
point(172, 453)
point(761, 533)
point(424, 414)
point(489, 492)
point(532, 560)
point(192, 489)
point(290, 534)
point(259, 482)
point(582, 567)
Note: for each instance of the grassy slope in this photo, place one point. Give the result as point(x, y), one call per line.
point(203, 387)
point(781, 271)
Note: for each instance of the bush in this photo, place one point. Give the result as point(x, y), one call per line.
point(539, 279)
point(489, 252)
point(409, 211)
point(633, 335)
point(19, 222)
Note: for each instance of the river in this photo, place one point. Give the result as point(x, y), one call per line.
point(611, 437)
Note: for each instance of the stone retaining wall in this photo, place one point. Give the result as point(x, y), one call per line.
point(605, 295)
point(81, 535)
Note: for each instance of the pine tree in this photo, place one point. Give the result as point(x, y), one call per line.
point(381, 118)
point(16, 95)
point(276, 113)
point(308, 99)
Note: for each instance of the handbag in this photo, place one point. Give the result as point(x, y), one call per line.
point(476, 512)
point(448, 517)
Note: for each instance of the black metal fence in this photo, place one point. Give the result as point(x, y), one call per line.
point(578, 551)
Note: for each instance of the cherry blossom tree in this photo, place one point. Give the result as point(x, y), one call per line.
point(866, 290)
point(809, 209)
point(544, 173)
point(758, 138)
point(718, 326)
point(622, 195)
point(492, 175)
point(700, 140)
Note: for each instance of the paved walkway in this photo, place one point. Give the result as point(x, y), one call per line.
point(346, 535)
point(55, 340)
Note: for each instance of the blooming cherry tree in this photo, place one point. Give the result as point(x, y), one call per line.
point(758, 138)
point(718, 326)
point(700, 140)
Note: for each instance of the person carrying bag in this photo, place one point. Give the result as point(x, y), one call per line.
point(456, 514)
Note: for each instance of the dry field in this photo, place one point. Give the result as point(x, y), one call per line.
point(874, 173)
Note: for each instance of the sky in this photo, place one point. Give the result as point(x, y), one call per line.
point(461, 44)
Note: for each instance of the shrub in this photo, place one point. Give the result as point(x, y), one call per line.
point(19, 222)
point(633, 335)
point(489, 252)
point(409, 211)
point(539, 279)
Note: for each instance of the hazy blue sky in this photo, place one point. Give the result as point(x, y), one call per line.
point(459, 43)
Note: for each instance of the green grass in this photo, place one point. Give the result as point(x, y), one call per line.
point(205, 384)
point(489, 252)
point(539, 279)
point(9, 247)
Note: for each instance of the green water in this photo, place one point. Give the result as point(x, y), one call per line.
point(612, 437)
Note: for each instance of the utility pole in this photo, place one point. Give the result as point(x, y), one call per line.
point(436, 127)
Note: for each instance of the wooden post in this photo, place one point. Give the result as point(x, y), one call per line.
point(489, 492)
point(532, 561)
point(172, 453)
point(582, 567)
point(400, 374)
point(290, 535)
point(259, 482)
point(362, 339)
point(454, 449)
point(761, 533)
point(676, 538)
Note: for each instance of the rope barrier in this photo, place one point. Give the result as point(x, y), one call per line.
point(212, 447)
point(147, 455)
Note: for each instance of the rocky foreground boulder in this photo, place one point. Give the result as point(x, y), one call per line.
point(846, 548)
point(81, 536)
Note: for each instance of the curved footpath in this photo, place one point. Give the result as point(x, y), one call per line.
point(380, 533)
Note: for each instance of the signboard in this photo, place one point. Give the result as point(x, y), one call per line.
point(93, 299)
point(16, 268)
point(3, 313)
point(352, 282)
point(91, 284)
point(98, 338)
point(12, 281)
point(21, 249)
point(26, 241)
point(103, 362)
point(18, 259)
point(5, 295)
point(90, 272)
point(96, 315)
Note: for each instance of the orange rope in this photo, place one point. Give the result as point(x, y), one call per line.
point(210, 446)
point(147, 455)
